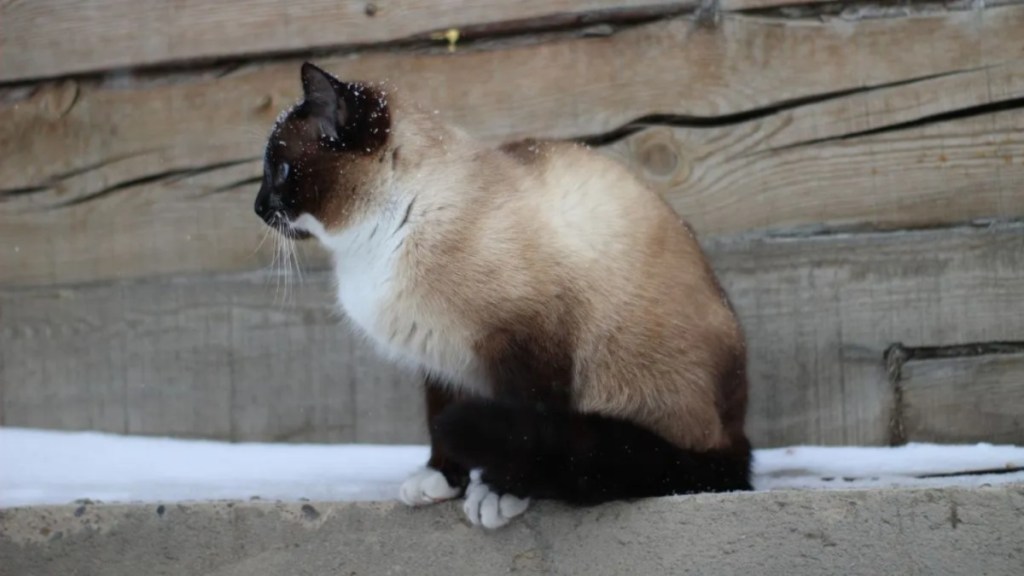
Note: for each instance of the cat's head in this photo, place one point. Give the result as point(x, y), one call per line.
point(324, 155)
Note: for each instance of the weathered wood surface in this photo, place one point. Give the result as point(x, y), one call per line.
point(968, 399)
point(196, 357)
point(45, 38)
point(216, 357)
point(821, 312)
point(105, 181)
point(800, 168)
point(52, 38)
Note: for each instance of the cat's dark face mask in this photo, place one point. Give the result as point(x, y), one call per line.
point(313, 158)
point(277, 202)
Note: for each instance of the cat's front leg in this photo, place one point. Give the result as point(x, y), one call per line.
point(441, 479)
point(497, 441)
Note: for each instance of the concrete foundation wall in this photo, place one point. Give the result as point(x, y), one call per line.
point(909, 531)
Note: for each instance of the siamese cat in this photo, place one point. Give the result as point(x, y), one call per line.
point(575, 342)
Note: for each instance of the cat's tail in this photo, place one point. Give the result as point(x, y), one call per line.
point(530, 451)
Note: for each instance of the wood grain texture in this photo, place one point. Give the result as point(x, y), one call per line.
point(849, 9)
point(51, 38)
point(930, 152)
point(104, 182)
point(821, 312)
point(217, 359)
point(737, 5)
point(45, 38)
point(968, 399)
point(215, 356)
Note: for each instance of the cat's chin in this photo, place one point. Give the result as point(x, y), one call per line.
point(287, 230)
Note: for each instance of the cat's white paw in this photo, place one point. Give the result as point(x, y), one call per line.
point(489, 509)
point(426, 486)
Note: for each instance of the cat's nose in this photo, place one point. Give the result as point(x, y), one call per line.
point(265, 205)
point(262, 208)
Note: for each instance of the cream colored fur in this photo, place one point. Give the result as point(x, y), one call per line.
point(490, 233)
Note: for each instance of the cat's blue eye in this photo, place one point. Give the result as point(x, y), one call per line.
point(282, 173)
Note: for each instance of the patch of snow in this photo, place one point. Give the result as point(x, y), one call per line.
point(49, 467)
point(844, 467)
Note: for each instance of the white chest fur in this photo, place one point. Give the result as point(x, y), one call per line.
point(366, 265)
point(375, 293)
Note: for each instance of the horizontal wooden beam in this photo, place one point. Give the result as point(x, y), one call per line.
point(978, 398)
point(821, 313)
point(46, 38)
point(52, 38)
point(231, 357)
point(102, 182)
point(923, 153)
point(216, 358)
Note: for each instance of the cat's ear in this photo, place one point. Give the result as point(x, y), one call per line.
point(323, 99)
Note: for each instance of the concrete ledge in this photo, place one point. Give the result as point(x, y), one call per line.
point(897, 531)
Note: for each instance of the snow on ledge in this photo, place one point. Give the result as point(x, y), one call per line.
point(40, 467)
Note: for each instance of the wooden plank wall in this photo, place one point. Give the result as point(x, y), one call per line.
point(856, 171)
point(971, 398)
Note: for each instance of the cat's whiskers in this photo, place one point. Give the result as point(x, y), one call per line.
point(298, 262)
point(286, 265)
point(273, 267)
point(263, 240)
point(278, 267)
